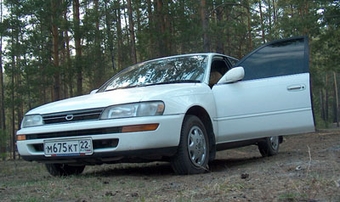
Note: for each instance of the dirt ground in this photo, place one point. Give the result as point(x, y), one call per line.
point(306, 169)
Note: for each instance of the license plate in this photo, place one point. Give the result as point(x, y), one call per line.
point(77, 147)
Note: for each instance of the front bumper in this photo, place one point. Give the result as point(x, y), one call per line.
point(109, 143)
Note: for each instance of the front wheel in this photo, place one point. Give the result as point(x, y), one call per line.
point(64, 169)
point(193, 151)
point(270, 146)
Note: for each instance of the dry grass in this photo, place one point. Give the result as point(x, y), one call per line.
point(307, 169)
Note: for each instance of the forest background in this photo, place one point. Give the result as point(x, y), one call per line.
point(55, 49)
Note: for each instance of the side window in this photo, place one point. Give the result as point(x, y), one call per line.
point(280, 58)
point(219, 67)
point(232, 60)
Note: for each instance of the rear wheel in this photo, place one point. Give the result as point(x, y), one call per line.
point(270, 146)
point(193, 151)
point(64, 169)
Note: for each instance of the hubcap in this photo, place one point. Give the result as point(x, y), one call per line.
point(274, 142)
point(197, 146)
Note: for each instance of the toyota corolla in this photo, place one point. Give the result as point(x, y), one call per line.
point(181, 109)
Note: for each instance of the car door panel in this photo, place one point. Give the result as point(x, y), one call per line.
point(253, 109)
point(262, 106)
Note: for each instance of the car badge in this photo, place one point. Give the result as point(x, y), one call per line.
point(69, 117)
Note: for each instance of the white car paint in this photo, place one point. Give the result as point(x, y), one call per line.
point(258, 108)
point(233, 110)
point(178, 98)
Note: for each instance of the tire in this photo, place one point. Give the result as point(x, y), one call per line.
point(192, 156)
point(64, 169)
point(270, 146)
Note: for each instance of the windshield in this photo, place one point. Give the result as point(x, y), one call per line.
point(181, 69)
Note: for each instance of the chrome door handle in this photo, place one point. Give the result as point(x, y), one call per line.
point(297, 87)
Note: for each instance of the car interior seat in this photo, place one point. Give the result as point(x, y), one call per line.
point(215, 74)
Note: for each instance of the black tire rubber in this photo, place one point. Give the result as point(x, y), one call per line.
point(269, 146)
point(192, 156)
point(64, 169)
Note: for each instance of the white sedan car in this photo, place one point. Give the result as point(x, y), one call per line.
point(181, 109)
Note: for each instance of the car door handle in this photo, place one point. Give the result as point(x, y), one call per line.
point(296, 87)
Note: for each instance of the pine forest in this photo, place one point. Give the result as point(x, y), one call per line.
point(56, 49)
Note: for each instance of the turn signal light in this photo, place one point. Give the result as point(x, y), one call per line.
point(140, 128)
point(21, 137)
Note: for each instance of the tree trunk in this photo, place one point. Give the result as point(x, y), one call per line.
point(108, 21)
point(336, 101)
point(274, 12)
point(132, 33)
point(68, 70)
point(2, 90)
point(250, 38)
point(160, 28)
point(77, 39)
point(13, 109)
point(120, 39)
point(262, 24)
point(205, 26)
point(326, 99)
point(151, 43)
point(2, 100)
point(55, 49)
point(99, 70)
point(219, 40)
point(14, 69)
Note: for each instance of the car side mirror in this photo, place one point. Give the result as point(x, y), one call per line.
point(233, 75)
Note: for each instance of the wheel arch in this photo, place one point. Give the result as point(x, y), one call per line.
point(203, 115)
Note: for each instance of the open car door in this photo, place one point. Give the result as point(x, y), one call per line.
point(272, 99)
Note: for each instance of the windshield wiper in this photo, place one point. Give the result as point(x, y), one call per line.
point(153, 84)
point(170, 82)
point(124, 87)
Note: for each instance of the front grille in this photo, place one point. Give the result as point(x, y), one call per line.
point(76, 133)
point(72, 116)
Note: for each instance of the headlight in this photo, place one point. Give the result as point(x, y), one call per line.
point(133, 110)
point(32, 120)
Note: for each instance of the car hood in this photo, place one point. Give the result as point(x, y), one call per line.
point(119, 96)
